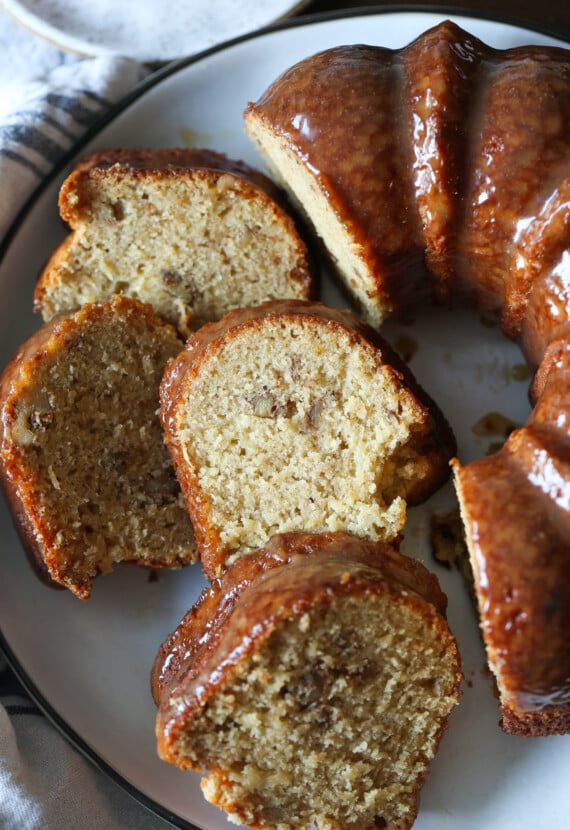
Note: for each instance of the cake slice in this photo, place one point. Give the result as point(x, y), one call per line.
point(521, 564)
point(332, 131)
point(313, 682)
point(190, 231)
point(82, 456)
point(295, 416)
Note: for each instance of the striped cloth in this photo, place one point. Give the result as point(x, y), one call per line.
point(42, 121)
point(45, 784)
point(47, 102)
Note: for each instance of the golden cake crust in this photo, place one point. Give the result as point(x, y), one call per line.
point(78, 413)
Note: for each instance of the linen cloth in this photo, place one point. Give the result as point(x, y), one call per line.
point(47, 102)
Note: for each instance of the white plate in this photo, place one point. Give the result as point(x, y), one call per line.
point(88, 663)
point(144, 29)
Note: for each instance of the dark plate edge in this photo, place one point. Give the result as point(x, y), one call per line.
point(139, 90)
point(84, 749)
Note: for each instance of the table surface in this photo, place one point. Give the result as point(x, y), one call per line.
point(551, 16)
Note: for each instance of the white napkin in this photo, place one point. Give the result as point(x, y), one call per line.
point(47, 102)
point(46, 784)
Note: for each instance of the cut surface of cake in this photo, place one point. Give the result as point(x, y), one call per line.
point(295, 416)
point(82, 456)
point(313, 683)
point(190, 231)
point(441, 170)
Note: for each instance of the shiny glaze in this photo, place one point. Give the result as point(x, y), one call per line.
point(546, 321)
point(487, 136)
point(453, 147)
point(442, 72)
point(311, 105)
point(518, 159)
point(524, 601)
point(521, 559)
point(233, 617)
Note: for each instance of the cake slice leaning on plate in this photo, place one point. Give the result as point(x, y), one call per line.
point(82, 457)
point(295, 416)
point(190, 231)
point(313, 681)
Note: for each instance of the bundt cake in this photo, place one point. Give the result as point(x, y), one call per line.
point(82, 457)
point(294, 416)
point(521, 563)
point(190, 231)
point(450, 176)
point(442, 170)
point(313, 682)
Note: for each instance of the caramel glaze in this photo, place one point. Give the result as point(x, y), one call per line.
point(406, 178)
point(312, 104)
point(236, 613)
point(461, 150)
point(438, 439)
point(516, 509)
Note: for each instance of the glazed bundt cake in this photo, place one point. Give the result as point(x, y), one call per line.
point(82, 457)
point(190, 231)
point(521, 564)
point(438, 168)
point(295, 416)
point(313, 682)
point(442, 170)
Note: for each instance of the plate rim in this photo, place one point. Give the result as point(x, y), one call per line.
point(143, 87)
point(88, 753)
point(81, 47)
